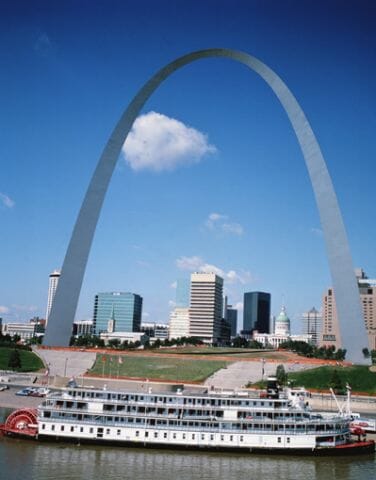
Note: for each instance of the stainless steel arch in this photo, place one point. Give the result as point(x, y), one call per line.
point(340, 263)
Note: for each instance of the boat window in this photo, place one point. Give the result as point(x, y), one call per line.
point(146, 434)
point(193, 436)
point(43, 426)
point(222, 438)
point(279, 439)
point(137, 433)
point(241, 438)
point(165, 435)
point(288, 439)
point(118, 432)
point(81, 429)
point(211, 437)
point(202, 437)
point(108, 431)
point(231, 438)
point(72, 429)
point(62, 428)
point(155, 434)
point(52, 427)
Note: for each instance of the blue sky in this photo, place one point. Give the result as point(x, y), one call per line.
point(236, 197)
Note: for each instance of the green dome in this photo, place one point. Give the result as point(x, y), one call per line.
point(282, 317)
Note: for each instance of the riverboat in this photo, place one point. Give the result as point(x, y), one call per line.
point(211, 419)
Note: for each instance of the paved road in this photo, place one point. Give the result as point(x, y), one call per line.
point(67, 363)
point(238, 374)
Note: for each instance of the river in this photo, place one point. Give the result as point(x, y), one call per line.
point(28, 460)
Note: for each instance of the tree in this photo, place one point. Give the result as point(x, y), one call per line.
point(14, 360)
point(366, 353)
point(335, 382)
point(281, 375)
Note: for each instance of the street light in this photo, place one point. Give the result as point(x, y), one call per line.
point(65, 367)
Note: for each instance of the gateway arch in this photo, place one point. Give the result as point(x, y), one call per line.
point(351, 323)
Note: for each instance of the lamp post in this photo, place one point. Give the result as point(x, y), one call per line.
point(262, 369)
point(65, 367)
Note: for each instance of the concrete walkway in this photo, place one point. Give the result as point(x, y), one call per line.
point(66, 363)
point(239, 374)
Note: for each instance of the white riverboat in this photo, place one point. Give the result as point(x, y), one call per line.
point(215, 420)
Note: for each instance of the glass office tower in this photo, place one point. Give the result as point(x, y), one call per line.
point(256, 312)
point(117, 312)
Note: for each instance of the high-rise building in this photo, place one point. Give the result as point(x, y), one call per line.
point(231, 317)
point(182, 292)
point(312, 324)
point(256, 312)
point(52, 286)
point(367, 291)
point(179, 323)
point(205, 310)
point(117, 312)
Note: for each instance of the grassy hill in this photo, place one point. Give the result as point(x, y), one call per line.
point(29, 361)
point(360, 378)
point(154, 367)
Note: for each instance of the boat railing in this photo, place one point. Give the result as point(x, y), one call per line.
point(208, 428)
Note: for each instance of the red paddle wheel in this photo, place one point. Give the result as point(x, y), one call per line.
point(22, 422)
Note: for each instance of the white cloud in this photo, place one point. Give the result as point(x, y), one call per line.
point(189, 263)
point(4, 309)
point(157, 142)
point(220, 222)
point(25, 308)
point(171, 303)
point(238, 306)
point(197, 264)
point(6, 201)
point(317, 231)
point(174, 285)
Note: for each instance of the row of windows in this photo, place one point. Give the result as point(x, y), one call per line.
point(175, 436)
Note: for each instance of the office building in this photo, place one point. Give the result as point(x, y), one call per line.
point(312, 324)
point(256, 313)
point(367, 292)
point(205, 310)
point(231, 317)
point(117, 312)
point(52, 285)
point(183, 287)
point(179, 323)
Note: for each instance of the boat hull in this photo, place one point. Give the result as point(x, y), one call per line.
point(355, 448)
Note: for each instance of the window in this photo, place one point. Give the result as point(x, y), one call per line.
point(146, 434)
point(222, 438)
point(193, 436)
point(91, 430)
point(118, 432)
point(231, 438)
point(43, 426)
point(241, 438)
point(288, 439)
point(81, 429)
point(174, 435)
point(155, 434)
point(52, 427)
point(279, 439)
point(211, 437)
point(137, 433)
point(62, 428)
point(165, 435)
point(108, 431)
point(72, 429)
point(202, 437)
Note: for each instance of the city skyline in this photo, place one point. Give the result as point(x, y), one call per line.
point(256, 235)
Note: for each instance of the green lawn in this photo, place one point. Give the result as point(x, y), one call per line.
point(174, 369)
point(29, 361)
point(358, 377)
